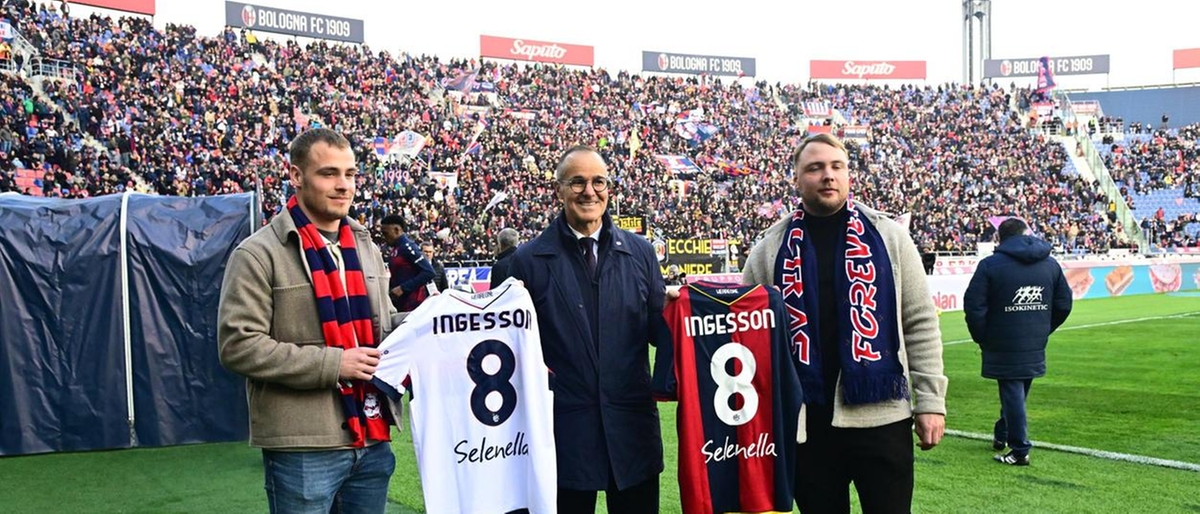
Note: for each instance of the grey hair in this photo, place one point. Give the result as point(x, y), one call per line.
point(560, 170)
point(507, 238)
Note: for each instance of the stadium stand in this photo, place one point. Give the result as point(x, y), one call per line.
point(177, 113)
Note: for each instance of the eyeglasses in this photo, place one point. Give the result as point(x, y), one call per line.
point(577, 184)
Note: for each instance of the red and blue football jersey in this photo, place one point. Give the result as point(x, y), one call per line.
point(729, 366)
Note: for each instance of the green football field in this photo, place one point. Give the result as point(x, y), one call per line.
point(1123, 381)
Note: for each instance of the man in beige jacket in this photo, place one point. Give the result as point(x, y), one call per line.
point(865, 335)
point(322, 430)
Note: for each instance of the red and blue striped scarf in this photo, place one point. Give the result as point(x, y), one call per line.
point(868, 333)
point(345, 315)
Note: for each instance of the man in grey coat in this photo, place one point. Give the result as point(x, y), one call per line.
point(865, 335)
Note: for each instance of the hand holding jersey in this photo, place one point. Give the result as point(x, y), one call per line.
point(727, 361)
point(481, 408)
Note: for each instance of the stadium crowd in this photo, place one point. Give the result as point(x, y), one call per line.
point(176, 113)
point(1164, 160)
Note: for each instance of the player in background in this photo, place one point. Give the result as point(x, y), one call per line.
point(481, 409)
point(727, 361)
point(411, 270)
point(598, 293)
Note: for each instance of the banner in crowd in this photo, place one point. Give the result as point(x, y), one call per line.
point(521, 114)
point(393, 176)
point(770, 209)
point(1185, 58)
point(855, 132)
point(6, 30)
point(732, 167)
point(382, 146)
point(819, 129)
point(498, 197)
point(1045, 75)
point(464, 82)
point(646, 109)
point(1072, 65)
point(1088, 107)
point(696, 132)
point(445, 180)
point(134, 6)
point(666, 62)
point(293, 23)
point(477, 279)
point(866, 70)
point(408, 143)
point(818, 109)
point(1045, 110)
point(693, 256)
point(469, 110)
point(635, 224)
point(679, 166)
point(535, 51)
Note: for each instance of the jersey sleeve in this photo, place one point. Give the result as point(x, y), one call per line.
point(664, 385)
point(396, 354)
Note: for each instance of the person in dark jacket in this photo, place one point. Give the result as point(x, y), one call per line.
point(439, 269)
point(506, 243)
point(411, 271)
point(599, 296)
point(1016, 299)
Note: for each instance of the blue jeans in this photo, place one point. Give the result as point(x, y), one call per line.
point(1013, 427)
point(332, 481)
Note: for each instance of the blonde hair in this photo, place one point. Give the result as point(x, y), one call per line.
point(823, 138)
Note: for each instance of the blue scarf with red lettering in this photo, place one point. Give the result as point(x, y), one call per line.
point(345, 315)
point(868, 334)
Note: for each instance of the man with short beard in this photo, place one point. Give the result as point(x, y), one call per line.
point(865, 335)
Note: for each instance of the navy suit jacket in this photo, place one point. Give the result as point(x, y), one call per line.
point(604, 415)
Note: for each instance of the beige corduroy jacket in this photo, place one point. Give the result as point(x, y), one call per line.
point(268, 331)
point(920, 336)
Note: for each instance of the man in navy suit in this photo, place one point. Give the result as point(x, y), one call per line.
point(599, 297)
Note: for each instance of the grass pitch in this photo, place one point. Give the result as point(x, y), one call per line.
point(1124, 376)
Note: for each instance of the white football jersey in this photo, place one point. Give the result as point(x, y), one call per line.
point(482, 412)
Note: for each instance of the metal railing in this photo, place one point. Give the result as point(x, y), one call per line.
point(1124, 213)
point(1105, 180)
point(57, 69)
point(22, 47)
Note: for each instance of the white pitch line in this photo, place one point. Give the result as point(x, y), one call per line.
point(1093, 325)
point(1124, 457)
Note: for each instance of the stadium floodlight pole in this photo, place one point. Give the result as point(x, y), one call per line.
point(973, 10)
